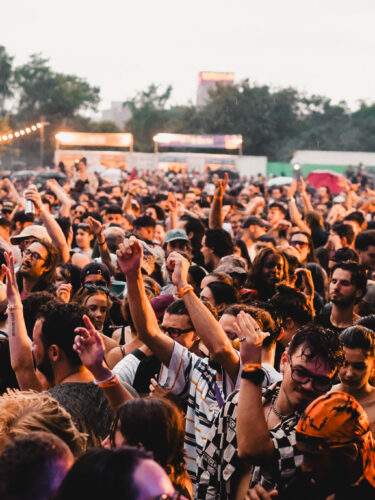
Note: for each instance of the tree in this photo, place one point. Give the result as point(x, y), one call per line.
point(6, 73)
point(149, 115)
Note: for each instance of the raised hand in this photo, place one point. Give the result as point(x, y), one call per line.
point(32, 194)
point(180, 267)
point(259, 493)
point(292, 188)
point(63, 292)
point(251, 338)
point(89, 346)
point(96, 227)
point(130, 256)
point(13, 293)
point(222, 185)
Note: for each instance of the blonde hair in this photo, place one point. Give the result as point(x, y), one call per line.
point(23, 412)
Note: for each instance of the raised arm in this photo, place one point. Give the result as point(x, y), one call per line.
point(253, 438)
point(216, 212)
point(65, 201)
point(21, 357)
point(89, 347)
point(205, 325)
point(307, 207)
point(129, 258)
point(295, 215)
point(54, 230)
point(97, 229)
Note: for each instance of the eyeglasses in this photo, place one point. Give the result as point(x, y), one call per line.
point(33, 255)
point(299, 243)
point(175, 332)
point(94, 288)
point(302, 376)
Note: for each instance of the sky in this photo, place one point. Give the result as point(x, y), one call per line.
point(323, 47)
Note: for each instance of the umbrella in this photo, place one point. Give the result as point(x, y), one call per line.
point(280, 181)
point(333, 180)
point(112, 175)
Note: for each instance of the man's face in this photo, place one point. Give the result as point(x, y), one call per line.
point(189, 200)
point(174, 324)
point(275, 215)
point(34, 261)
point(236, 223)
point(42, 361)
point(367, 257)
point(256, 231)
point(227, 322)
point(301, 243)
point(357, 369)
point(276, 193)
point(315, 371)
point(95, 279)
point(146, 233)
point(342, 292)
point(176, 246)
point(114, 219)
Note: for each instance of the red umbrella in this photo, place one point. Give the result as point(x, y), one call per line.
point(335, 181)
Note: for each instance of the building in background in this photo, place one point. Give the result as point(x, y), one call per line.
point(117, 113)
point(207, 80)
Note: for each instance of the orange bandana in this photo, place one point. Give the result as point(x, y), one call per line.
point(337, 419)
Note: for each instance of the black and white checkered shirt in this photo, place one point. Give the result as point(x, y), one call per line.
point(220, 459)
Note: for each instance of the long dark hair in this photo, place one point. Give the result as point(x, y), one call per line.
point(158, 425)
point(256, 280)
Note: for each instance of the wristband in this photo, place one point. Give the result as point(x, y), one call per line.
point(10, 307)
point(101, 244)
point(109, 383)
point(216, 197)
point(255, 375)
point(110, 377)
point(250, 367)
point(184, 290)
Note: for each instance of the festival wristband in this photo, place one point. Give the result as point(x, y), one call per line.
point(184, 290)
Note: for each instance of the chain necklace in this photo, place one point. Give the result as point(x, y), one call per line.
point(275, 410)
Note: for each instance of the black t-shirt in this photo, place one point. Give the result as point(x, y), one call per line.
point(324, 319)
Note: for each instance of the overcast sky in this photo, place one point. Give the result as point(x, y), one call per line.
point(322, 46)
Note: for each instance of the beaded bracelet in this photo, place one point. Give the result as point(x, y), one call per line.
point(10, 307)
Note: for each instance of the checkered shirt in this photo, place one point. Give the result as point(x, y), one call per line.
point(220, 459)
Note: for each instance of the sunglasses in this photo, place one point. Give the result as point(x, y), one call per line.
point(299, 243)
point(175, 332)
point(93, 288)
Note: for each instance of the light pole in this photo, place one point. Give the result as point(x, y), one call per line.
point(43, 123)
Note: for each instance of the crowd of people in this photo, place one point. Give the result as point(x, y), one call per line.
point(187, 336)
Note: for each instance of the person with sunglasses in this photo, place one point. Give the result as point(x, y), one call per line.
point(309, 366)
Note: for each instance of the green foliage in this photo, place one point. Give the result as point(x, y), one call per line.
point(6, 74)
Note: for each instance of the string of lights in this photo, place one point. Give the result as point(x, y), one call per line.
point(19, 133)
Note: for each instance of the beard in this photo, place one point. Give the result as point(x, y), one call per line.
point(45, 367)
point(343, 301)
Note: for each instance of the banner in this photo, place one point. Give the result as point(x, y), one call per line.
point(199, 141)
point(94, 139)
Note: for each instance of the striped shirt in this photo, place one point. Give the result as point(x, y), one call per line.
point(192, 378)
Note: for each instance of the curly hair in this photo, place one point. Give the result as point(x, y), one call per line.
point(256, 280)
point(317, 341)
point(22, 412)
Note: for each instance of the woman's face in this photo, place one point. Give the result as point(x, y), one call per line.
point(60, 278)
point(97, 306)
point(207, 296)
point(273, 269)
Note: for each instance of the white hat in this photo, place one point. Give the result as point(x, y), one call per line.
point(34, 231)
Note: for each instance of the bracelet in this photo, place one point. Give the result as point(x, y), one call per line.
point(101, 244)
point(184, 290)
point(216, 197)
point(250, 367)
point(110, 377)
point(256, 376)
point(110, 383)
point(10, 307)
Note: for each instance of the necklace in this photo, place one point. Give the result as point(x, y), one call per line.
point(275, 410)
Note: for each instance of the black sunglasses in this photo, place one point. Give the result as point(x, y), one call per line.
point(93, 288)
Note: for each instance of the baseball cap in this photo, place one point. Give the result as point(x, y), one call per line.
point(34, 231)
point(175, 234)
point(96, 268)
point(253, 220)
point(232, 264)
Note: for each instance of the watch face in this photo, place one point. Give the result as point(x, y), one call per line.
point(256, 376)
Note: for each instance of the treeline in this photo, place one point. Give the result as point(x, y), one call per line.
point(273, 122)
